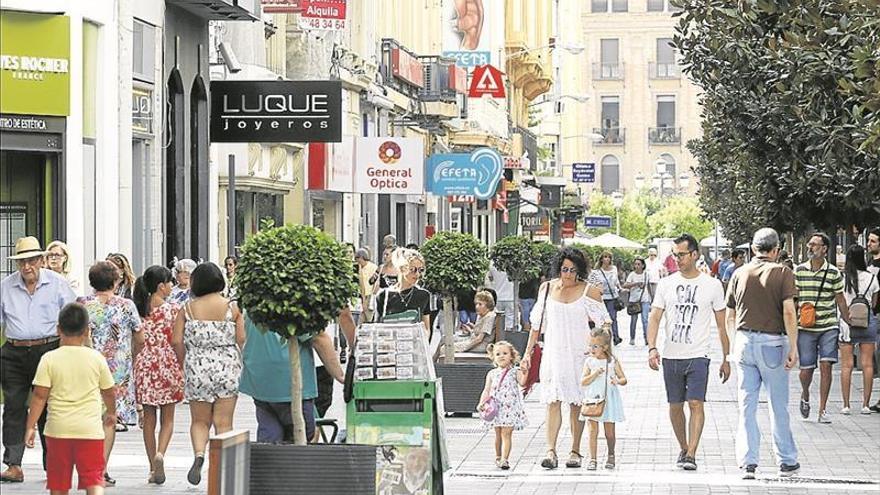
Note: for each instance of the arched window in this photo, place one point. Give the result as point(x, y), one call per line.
point(610, 174)
point(670, 163)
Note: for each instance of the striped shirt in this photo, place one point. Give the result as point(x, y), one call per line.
point(808, 283)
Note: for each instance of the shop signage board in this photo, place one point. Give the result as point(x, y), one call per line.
point(583, 172)
point(281, 6)
point(389, 165)
point(535, 222)
point(141, 110)
point(328, 15)
point(407, 67)
point(276, 111)
point(568, 228)
point(469, 59)
point(487, 80)
point(475, 173)
point(34, 75)
point(597, 222)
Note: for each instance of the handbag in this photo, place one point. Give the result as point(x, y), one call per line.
point(534, 374)
point(596, 409)
point(490, 407)
point(807, 316)
point(618, 304)
point(635, 308)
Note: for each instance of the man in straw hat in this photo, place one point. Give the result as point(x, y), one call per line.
point(30, 300)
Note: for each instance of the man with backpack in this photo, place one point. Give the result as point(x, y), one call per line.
point(820, 287)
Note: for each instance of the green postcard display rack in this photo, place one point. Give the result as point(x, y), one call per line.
point(395, 406)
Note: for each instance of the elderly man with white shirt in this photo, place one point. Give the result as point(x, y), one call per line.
point(30, 300)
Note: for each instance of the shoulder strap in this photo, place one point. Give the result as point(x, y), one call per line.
point(822, 285)
point(607, 363)
point(187, 312)
point(610, 289)
point(868, 286)
point(503, 376)
point(544, 306)
point(229, 311)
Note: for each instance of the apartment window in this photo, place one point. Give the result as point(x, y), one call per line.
point(666, 66)
point(655, 5)
point(610, 174)
point(143, 51)
point(610, 112)
point(601, 6)
point(610, 56)
point(666, 111)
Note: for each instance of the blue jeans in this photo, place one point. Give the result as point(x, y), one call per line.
point(609, 305)
point(760, 359)
point(633, 320)
point(274, 422)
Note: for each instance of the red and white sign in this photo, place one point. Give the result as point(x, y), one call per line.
point(568, 229)
point(513, 162)
point(486, 80)
point(281, 6)
point(322, 14)
point(406, 67)
point(462, 198)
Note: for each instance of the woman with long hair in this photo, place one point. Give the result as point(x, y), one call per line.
point(207, 338)
point(58, 260)
point(566, 308)
point(405, 300)
point(858, 281)
point(126, 274)
point(115, 327)
point(607, 276)
point(158, 377)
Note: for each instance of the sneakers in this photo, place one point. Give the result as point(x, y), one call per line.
point(823, 418)
point(875, 407)
point(805, 409)
point(194, 476)
point(749, 472)
point(632, 342)
point(689, 464)
point(681, 457)
point(786, 471)
point(845, 411)
point(866, 410)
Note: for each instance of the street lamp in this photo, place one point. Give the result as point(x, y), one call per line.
point(659, 179)
point(617, 200)
point(640, 180)
point(572, 48)
point(684, 181)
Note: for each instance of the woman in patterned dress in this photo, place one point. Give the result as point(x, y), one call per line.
point(115, 329)
point(208, 337)
point(158, 375)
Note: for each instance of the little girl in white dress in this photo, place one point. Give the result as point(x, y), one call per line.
point(503, 385)
point(603, 372)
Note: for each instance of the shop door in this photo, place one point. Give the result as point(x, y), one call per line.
point(27, 200)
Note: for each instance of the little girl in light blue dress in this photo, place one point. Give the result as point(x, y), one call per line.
point(602, 371)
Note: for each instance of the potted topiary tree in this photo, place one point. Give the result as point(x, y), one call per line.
point(545, 253)
point(293, 280)
point(518, 257)
point(454, 261)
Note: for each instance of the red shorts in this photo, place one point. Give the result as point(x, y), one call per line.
point(63, 453)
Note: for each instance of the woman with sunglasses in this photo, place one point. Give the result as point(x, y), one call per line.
point(405, 301)
point(565, 310)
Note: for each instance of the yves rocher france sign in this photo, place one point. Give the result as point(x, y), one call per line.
point(276, 111)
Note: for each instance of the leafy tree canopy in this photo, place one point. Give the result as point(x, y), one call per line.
point(518, 257)
point(645, 215)
point(454, 261)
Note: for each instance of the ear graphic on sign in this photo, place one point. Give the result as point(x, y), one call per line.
point(475, 174)
point(489, 170)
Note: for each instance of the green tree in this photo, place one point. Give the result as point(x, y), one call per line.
point(791, 111)
point(518, 257)
point(545, 254)
point(454, 261)
point(680, 215)
point(293, 280)
point(632, 216)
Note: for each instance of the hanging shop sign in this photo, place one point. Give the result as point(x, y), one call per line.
point(276, 111)
point(328, 15)
point(389, 165)
point(141, 110)
point(476, 173)
point(487, 81)
point(583, 172)
point(406, 67)
point(34, 76)
point(568, 229)
point(535, 222)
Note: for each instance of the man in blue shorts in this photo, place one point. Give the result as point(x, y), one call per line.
point(689, 298)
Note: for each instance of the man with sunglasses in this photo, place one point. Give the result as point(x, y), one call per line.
point(689, 298)
point(30, 300)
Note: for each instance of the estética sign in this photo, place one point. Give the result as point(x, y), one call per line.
point(389, 165)
point(276, 111)
point(476, 173)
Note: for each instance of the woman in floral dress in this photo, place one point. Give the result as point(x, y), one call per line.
point(115, 328)
point(158, 375)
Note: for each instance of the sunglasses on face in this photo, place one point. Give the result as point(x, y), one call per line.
point(419, 270)
point(681, 255)
point(566, 269)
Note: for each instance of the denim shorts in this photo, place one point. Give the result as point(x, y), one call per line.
point(686, 379)
point(527, 305)
point(815, 347)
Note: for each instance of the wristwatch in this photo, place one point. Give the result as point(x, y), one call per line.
point(652, 349)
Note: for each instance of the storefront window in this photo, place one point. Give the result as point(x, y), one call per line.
point(251, 208)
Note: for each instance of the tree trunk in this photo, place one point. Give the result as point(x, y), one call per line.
point(296, 411)
point(515, 304)
point(448, 330)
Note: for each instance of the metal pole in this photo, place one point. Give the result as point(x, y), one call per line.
point(230, 207)
point(618, 221)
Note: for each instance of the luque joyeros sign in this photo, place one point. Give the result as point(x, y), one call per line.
point(276, 111)
point(475, 173)
point(389, 165)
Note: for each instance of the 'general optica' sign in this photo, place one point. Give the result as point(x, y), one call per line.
point(476, 173)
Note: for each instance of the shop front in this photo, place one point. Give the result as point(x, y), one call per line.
point(34, 104)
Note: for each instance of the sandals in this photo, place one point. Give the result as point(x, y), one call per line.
point(609, 462)
point(505, 465)
point(158, 474)
point(592, 465)
point(574, 460)
point(108, 481)
point(551, 461)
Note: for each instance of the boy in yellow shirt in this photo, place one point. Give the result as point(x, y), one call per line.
point(73, 380)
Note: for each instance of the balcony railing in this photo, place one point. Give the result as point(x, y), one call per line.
point(664, 135)
point(611, 72)
point(664, 70)
point(610, 135)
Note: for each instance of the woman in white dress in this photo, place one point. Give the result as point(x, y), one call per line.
point(563, 312)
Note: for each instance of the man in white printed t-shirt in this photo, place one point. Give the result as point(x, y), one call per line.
point(689, 298)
